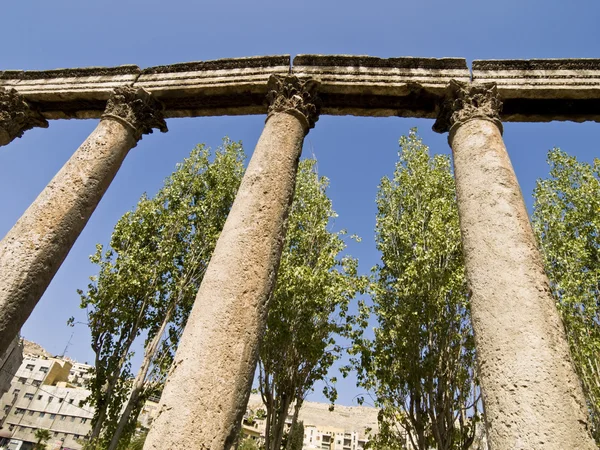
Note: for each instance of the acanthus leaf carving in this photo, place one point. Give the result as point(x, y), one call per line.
point(17, 116)
point(290, 94)
point(467, 101)
point(136, 108)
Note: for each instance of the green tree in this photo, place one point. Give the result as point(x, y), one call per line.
point(566, 220)
point(309, 306)
point(148, 280)
point(296, 436)
point(248, 444)
point(420, 365)
point(42, 437)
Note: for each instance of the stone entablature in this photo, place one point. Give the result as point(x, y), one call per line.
point(531, 90)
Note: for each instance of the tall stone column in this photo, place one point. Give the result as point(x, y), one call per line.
point(17, 116)
point(34, 249)
point(532, 396)
point(207, 391)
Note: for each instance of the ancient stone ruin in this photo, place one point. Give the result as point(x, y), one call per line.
point(532, 396)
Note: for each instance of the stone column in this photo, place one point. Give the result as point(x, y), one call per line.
point(207, 391)
point(532, 396)
point(34, 249)
point(17, 116)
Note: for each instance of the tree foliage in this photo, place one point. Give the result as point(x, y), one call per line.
point(309, 306)
point(420, 365)
point(566, 220)
point(42, 436)
point(147, 282)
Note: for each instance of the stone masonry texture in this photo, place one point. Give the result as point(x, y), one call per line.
point(532, 396)
point(207, 390)
point(34, 249)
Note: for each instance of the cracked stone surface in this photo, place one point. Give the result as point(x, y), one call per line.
point(207, 390)
point(532, 396)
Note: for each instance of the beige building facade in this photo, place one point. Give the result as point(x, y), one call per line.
point(40, 397)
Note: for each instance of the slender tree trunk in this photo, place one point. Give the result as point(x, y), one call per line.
point(113, 380)
point(297, 407)
point(138, 384)
point(284, 405)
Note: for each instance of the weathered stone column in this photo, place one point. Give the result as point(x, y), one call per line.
point(532, 396)
point(206, 393)
point(34, 249)
point(17, 116)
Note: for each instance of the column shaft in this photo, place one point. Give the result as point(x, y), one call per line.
point(34, 249)
point(532, 396)
point(206, 393)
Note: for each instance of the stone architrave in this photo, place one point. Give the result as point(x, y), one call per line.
point(206, 393)
point(17, 116)
point(34, 249)
point(531, 394)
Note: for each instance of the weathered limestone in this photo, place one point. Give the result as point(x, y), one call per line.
point(202, 88)
point(207, 390)
point(541, 90)
point(532, 396)
point(34, 249)
point(379, 87)
point(532, 90)
point(16, 116)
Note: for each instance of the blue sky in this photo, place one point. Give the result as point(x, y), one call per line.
point(353, 152)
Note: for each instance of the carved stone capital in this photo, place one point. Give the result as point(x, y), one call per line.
point(137, 109)
point(467, 101)
point(17, 116)
point(294, 96)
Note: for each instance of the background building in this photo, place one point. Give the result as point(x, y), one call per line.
point(41, 397)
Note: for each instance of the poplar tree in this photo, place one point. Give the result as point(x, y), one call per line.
point(419, 367)
point(147, 281)
point(308, 311)
point(566, 221)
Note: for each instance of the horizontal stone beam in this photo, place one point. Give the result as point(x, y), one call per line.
point(369, 86)
point(541, 90)
point(531, 90)
point(221, 87)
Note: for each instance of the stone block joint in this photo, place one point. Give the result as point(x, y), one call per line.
point(467, 101)
point(17, 116)
point(298, 97)
point(137, 109)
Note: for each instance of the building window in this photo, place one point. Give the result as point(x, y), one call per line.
point(11, 427)
point(50, 399)
point(29, 366)
point(53, 416)
point(73, 419)
point(19, 411)
point(40, 397)
point(22, 380)
point(70, 401)
point(83, 420)
point(6, 409)
point(28, 396)
point(60, 400)
point(31, 413)
point(42, 414)
point(36, 383)
point(63, 417)
point(44, 369)
point(16, 391)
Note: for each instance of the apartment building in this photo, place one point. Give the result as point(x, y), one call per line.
point(41, 397)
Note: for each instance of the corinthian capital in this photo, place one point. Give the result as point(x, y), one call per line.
point(17, 116)
point(294, 96)
point(137, 109)
point(466, 101)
